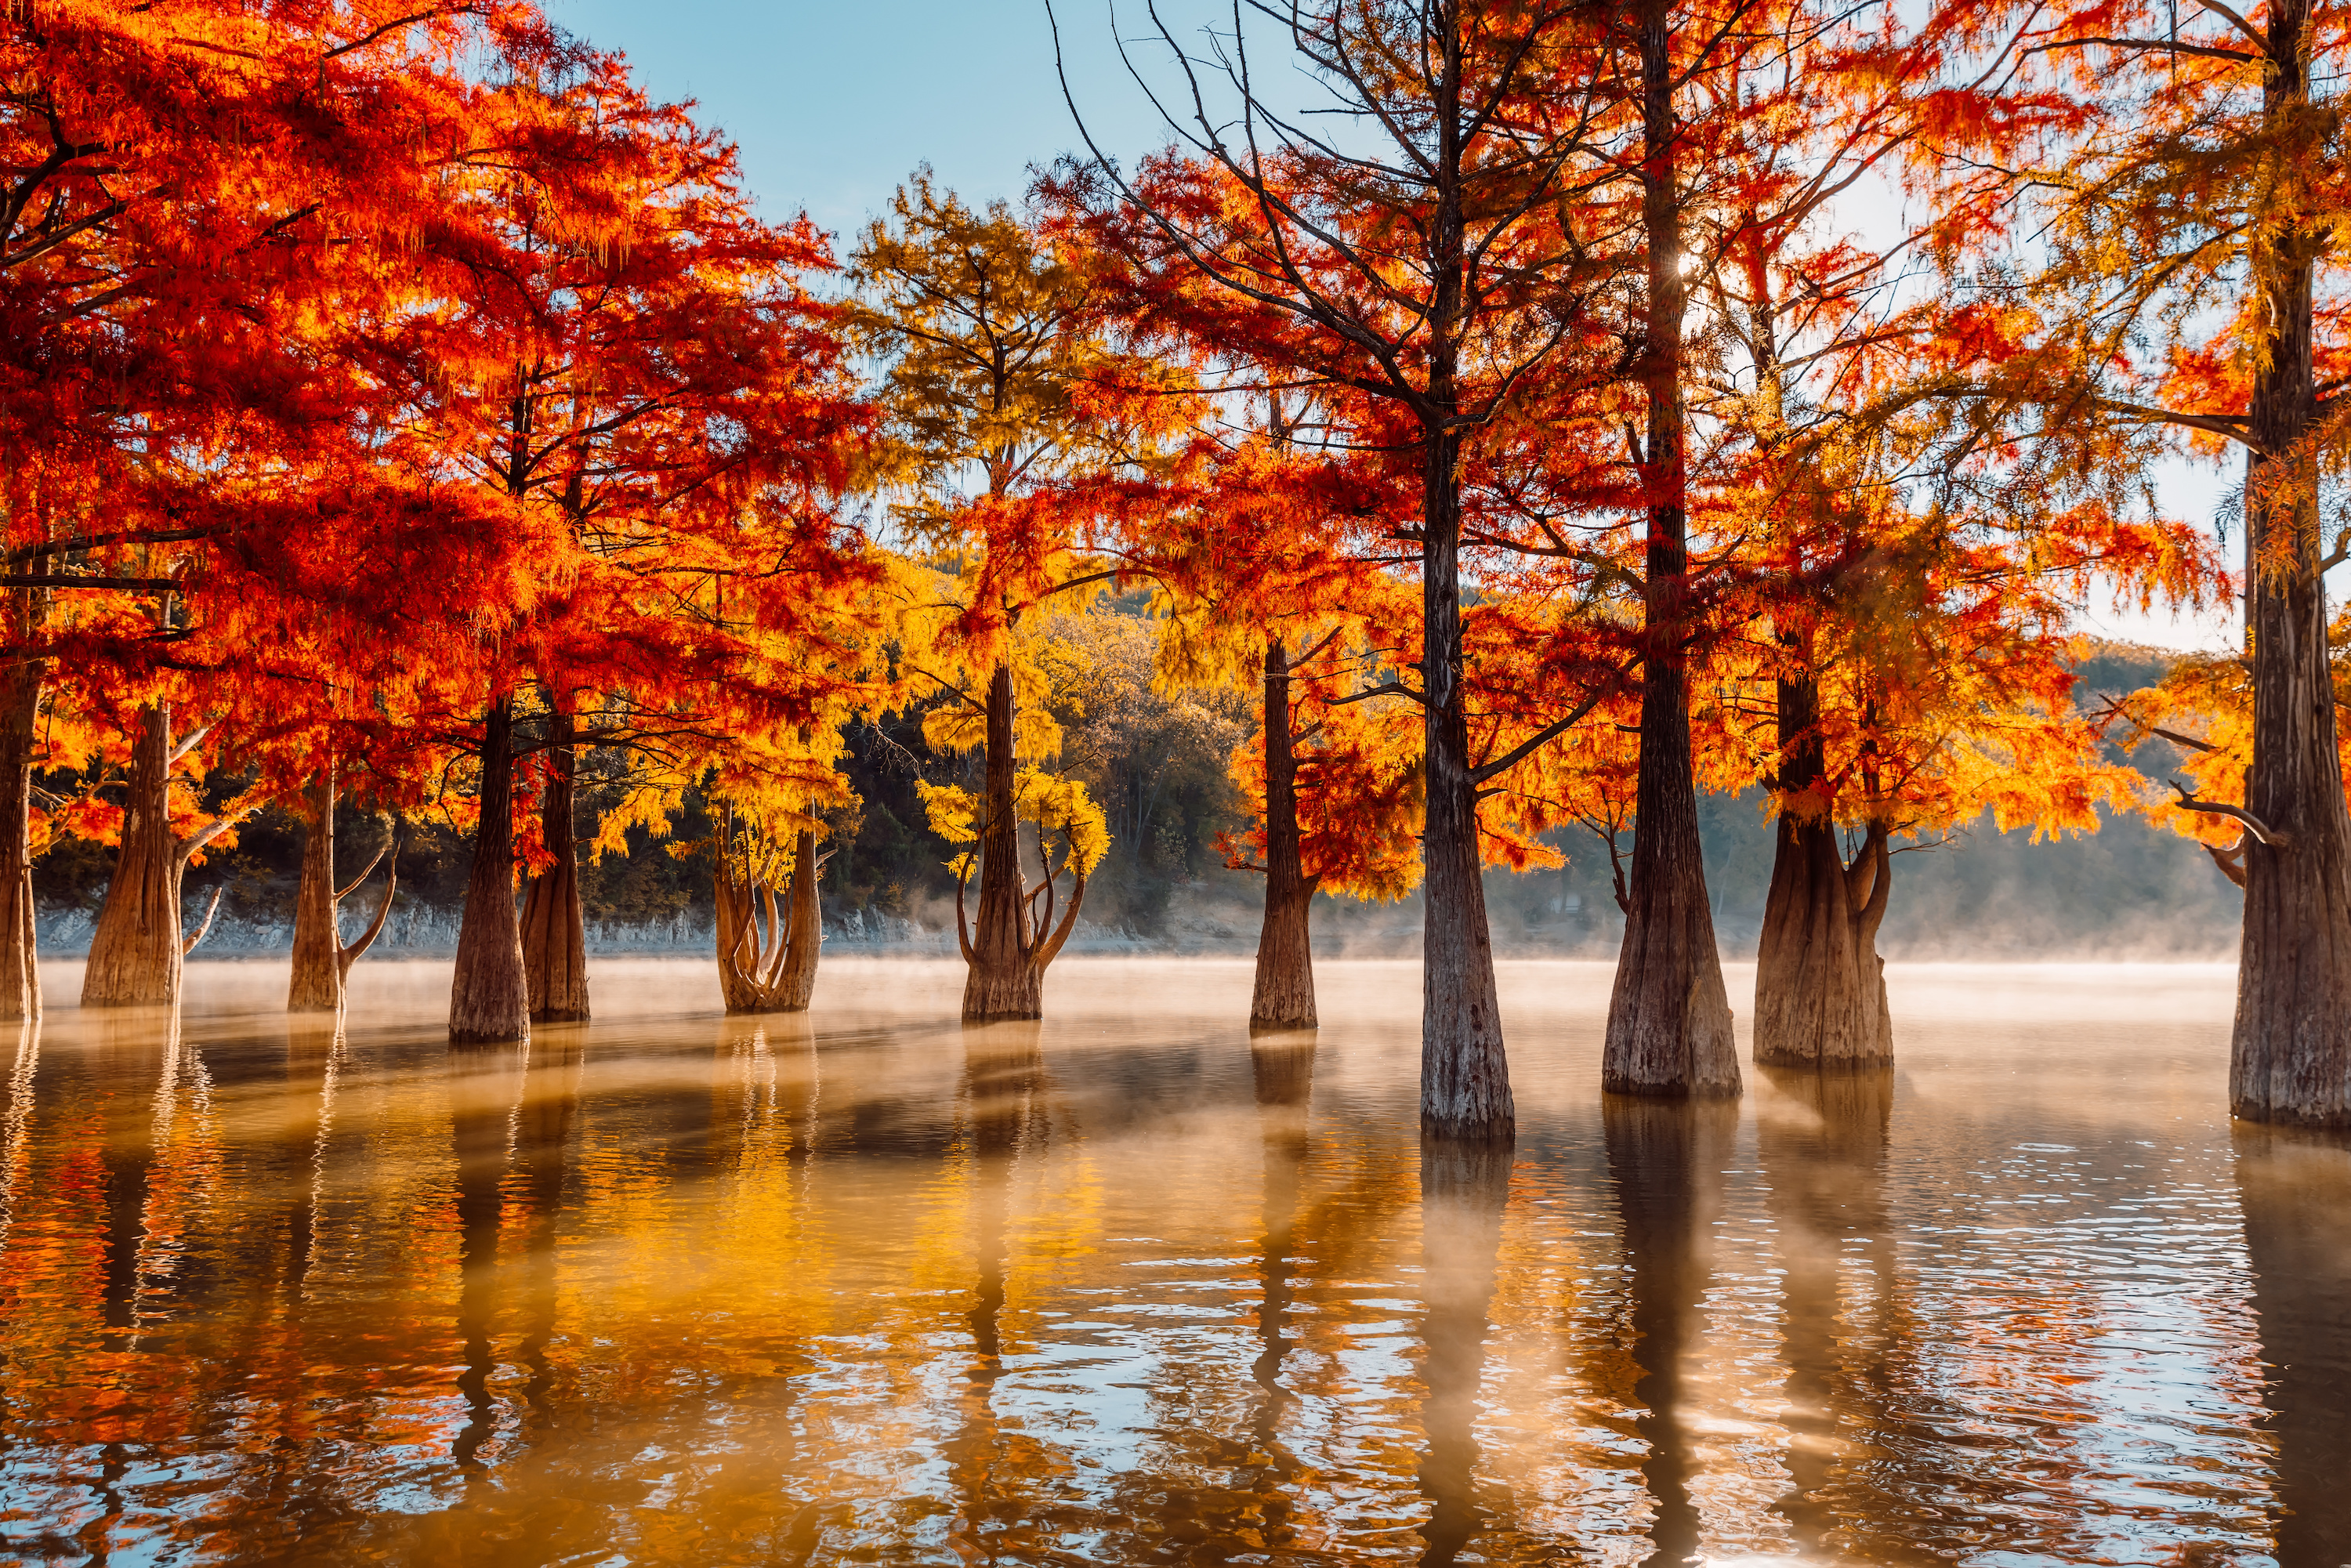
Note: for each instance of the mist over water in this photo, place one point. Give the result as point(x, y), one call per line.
point(867, 1285)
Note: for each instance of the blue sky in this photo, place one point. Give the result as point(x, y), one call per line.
point(833, 104)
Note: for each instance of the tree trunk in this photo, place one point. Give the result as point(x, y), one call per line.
point(20, 973)
point(1284, 999)
point(2290, 1055)
point(803, 928)
point(770, 970)
point(1820, 986)
point(1669, 1028)
point(135, 954)
point(554, 929)
point(1465, 1078)
point(316, 982)
point(1003, 982)
point(490, 998)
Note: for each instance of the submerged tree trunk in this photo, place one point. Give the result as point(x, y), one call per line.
point(770, 968)
point(490, 998)
point(135, 954)
point(1284, 998)
point(554, 929)
point(1820, 986)
point(20, 973)
point(2289, 1054)
point(1003, 982)
point(1669, 1028)
point(323, 963)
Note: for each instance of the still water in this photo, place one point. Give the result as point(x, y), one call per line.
point(868, 1286)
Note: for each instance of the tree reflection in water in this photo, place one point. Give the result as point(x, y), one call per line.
point(1282, 1066)
point(1463, 1189)
point(484, 1083)
point(1004, 1104)
point(1822, 1141)
point(2296, 1191)
point(1665, 1161)
point(314, 1054)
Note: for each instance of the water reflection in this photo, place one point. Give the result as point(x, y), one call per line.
point(1463, 1189)
point(1004, 1116)
point(860, 1285)
point(2296, 1191)
point(1664, 1163)
point(485, 1082)
point(1821, 1139)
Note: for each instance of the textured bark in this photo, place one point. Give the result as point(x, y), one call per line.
point(490, 998)
point(803, 927)
point(770, 968)
point(135, 954)
point(1003, 983)
point(1665, 1161)
point(554, 929)
point(1669, 1029)
point(2289, 1054)
point(2296, 1187)
point(316, 984)
point(1284, 998)
point(1464, 1187)
point(1820, 986)
point(322, 962)
point(20, 973)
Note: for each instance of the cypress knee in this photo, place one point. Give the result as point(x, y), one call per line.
point(490, 998)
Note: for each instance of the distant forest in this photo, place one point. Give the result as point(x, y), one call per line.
point(1157, 762)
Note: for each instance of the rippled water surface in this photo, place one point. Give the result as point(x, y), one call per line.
point(868, 1286)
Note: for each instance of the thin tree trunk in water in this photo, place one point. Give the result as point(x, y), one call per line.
point(490, 999)
point(135, 952)
point(1820, 986)
point(554, 927)
point(2289, 1054)
point(317, 983)
point(803, 928)
point(1465, 1078)
point(1003, 982)
point(1284, 998)
point(1669, 1015)
point(20, 973)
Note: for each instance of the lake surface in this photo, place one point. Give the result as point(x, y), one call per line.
point(868, 1286)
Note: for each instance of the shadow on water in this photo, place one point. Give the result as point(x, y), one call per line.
point(1665, 1162)
point(1003, 1093)
point(2296, 1191)
point(1464, 1187)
